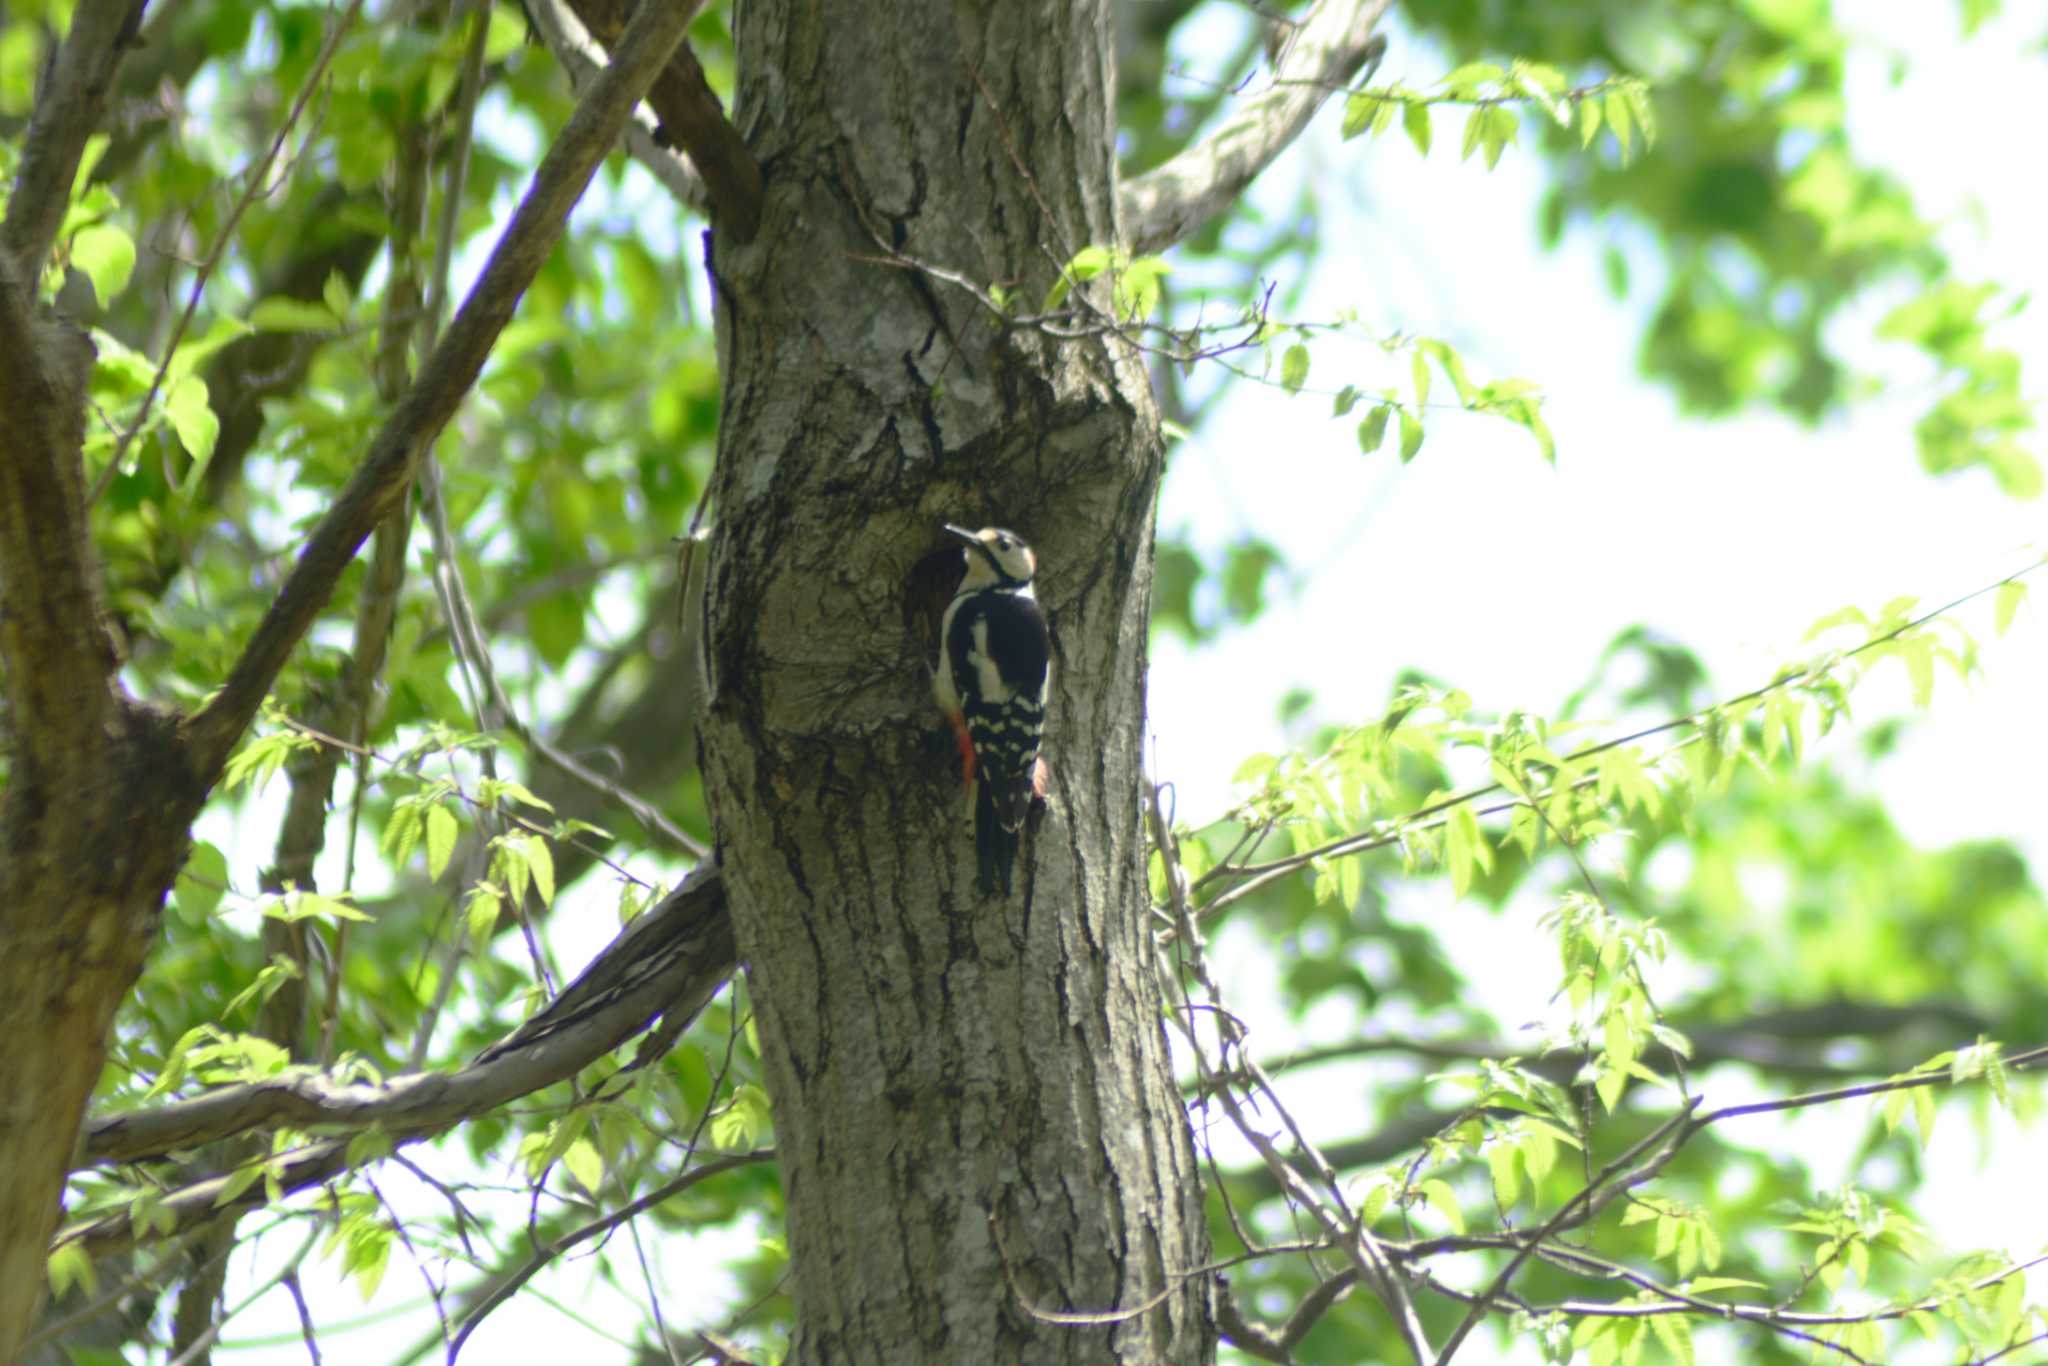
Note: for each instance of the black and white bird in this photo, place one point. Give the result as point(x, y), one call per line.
point(995, 657)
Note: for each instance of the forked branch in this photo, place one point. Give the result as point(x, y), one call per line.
point(1324, 51)
point(381, 479)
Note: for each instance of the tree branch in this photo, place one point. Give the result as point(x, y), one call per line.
point(668, 962)
point(692, 118)
point(603, 1224)
point(1793, 1041)
point(54, 650)
point(446, 377)
point(1325, 50)
point(582, 58)
point(73, 104)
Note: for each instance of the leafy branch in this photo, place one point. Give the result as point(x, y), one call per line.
point(1891, 632)
point(1621, 104)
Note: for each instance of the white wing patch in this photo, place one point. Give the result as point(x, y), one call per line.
point(994, 690)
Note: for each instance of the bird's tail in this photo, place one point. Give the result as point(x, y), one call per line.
point(1000, 806)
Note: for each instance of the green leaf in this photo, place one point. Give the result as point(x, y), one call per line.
point(1294, 368)
point(583, 1162)
point(1610, 1084)
point(369, 1254)
point(68, 1266)
point(2007, 604)
point(506, 787)
point(1347, 399)
point(336, 295)
point(1445, 1202)
point(1359, 108)
point(280, 313)
point(1465, 848)
point(402, 831)
point(1088, 263)
point(509, 863)
point(1621, 118)
point(371, 1145)
point(297, 904)
point(1498, 130)
point(1917, 654)
point(107, 256)
point(88, 162)
point(1589, 121)
point(1372, 428)
point(1415, 122)
point(1923, 1113)
point(191, 355)
point(743, 1120)
point(442, 829)
point(201, 883)
point(1411, 436)
point(1475, 134)
point(238, 1180)
point(1137, 287)
point(1418, 369)
point(1375, 1202)
point(192, 418)
point(1675, 1332)
point(1500, 1165)
point(1707, 1285)
point(541, 863)
point(480, 916)
point(1639, 103)
point(1472, 77)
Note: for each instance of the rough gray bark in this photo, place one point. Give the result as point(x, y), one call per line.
point(974, 1110)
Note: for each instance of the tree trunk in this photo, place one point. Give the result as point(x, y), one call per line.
point(974, 1108)
point(82, 877)
point(95, 799)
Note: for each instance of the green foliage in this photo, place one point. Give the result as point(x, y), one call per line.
point(1704, 890)
point(1135, 282)
point(1772, 223)
point(1619, 103)
point(1645, 1000)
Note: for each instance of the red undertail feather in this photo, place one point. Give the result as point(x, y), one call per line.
point(966, 744)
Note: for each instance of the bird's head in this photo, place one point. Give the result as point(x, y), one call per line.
point(995, 558)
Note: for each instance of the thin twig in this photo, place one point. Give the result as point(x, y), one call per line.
point(380, 480)
point(204, 1343)
point(1642, 1160)
point(256, 176)
point(306, 1330)
point(511, 1284)
point(1245, 877)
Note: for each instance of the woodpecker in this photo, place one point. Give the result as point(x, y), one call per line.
point(994, 658)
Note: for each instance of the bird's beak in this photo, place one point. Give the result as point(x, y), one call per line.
point(963, 533)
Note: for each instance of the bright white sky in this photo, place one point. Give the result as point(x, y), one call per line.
point(1506, 577)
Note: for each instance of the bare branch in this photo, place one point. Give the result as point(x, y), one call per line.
point(604, 1224)
point(1278, 1344)
point(582, 58)
point(692, 118)
point(446, 377)
point(1795, 1041)
point(1672, 1300)
point(670, 961)
point(1324, 51)
point(1643, 1160)
point(72, 106)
